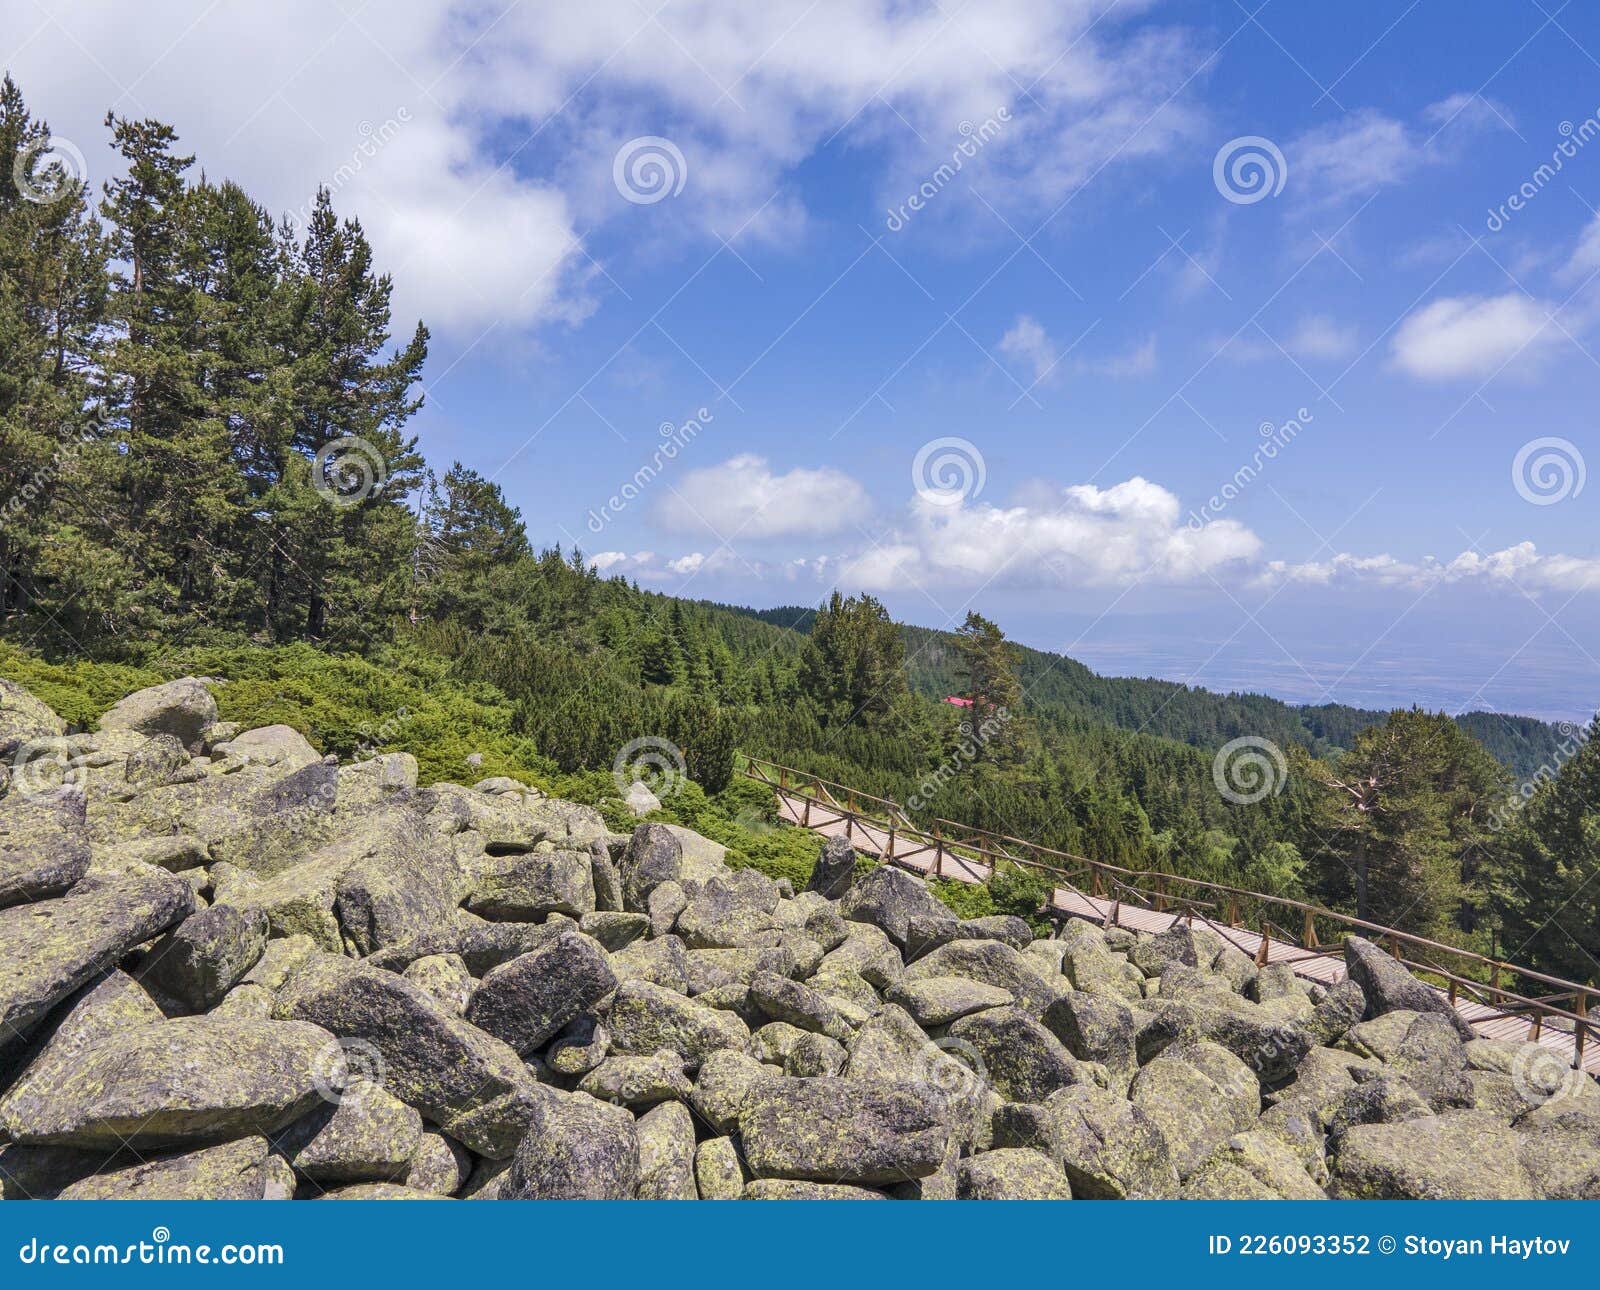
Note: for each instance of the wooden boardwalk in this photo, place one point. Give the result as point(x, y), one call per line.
point(1315, 965)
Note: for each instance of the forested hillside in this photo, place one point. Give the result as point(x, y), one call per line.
point(205, 468)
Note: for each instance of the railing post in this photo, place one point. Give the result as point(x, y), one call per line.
point(1580, 1031)
point(1116, 912)
point(938, 852)
point(1537, 1027)
point(1309, 936)
point(1233, 910)
point(1266, 940)
point(890, 855)
point(848, 821)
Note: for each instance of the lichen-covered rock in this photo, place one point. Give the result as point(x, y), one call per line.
point(992, 963)
point(796, 1189)
point(527, 1001)
point(206, 955)
point(1022, 1060)
point(44, 844)
point(239, 1170)
point(575, 1149)
point(579, 1048)
point(468, 1083)
point(526, 889)
point(654, 856)
point(842, 1130)
point(1196, 1108)
point(1387, 986)
point(646, 1018)
point(1109, 1148)
point(50, 948)
point(379, 1191)
point(1011, 1173)
point(1561, 1145)
point(799, 1005)
point(835, 870)
point(368, 1136)
point(24, 718)
point(445, 977)
point(718, 1174)
point(637, 1081)
point(1462, 1155)
point(1095, 1028)
point(174, 1083)
point(440, 1166)
point(813, 1055)
point(723, 1085)
point(733, 911)
point(889, 899)
point(184, 708)
point(1269, 1167)
point(666, 1154)
point(614, 930)
point(937, 1001)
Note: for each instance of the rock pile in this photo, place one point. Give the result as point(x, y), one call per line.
point(232, 968)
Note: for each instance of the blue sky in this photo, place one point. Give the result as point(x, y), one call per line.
point(1093, 305)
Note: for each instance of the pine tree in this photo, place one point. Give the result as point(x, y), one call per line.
point(853, 663)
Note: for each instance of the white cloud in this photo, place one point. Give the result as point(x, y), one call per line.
point(1585, 257)
point(481, 205)
point(1138, 361)
point(1315, 336)
point(1472, 336)
point(1366, 149)
point(1027, 343)
point(1090, 537)
point(743, 500)
point(1521, 566)
point(1319, 336)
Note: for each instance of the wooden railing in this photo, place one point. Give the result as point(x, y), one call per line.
point(957, 850)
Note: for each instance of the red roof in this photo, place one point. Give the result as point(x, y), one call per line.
point(959, 702)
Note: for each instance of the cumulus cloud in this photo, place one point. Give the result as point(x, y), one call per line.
point(485, 202)
point(1521, 566)
point(1090, 537)
point(1472, 336)
point(744, 499)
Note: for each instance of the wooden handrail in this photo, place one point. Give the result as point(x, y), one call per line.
point(1151, 888)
